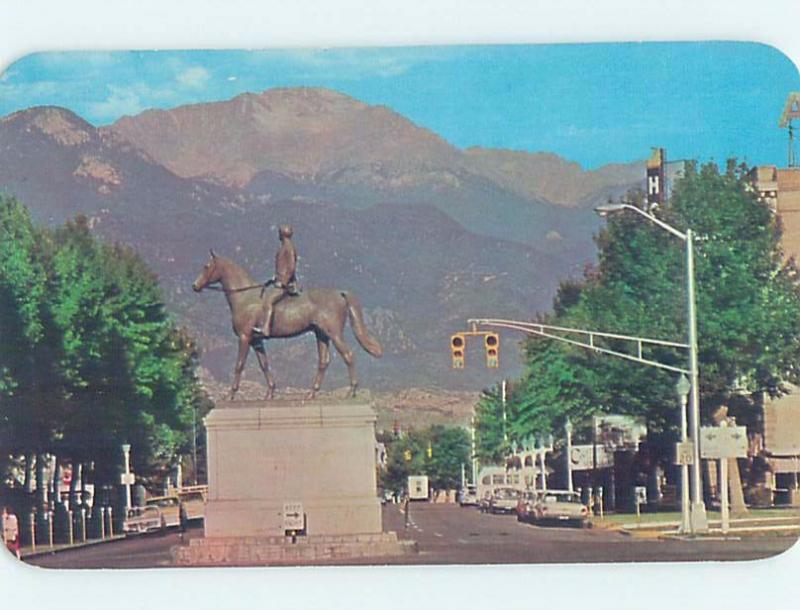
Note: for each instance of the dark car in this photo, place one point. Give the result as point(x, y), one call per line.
point(525, 504)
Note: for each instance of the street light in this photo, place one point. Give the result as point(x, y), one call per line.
point(698, 519)
point(568, 430)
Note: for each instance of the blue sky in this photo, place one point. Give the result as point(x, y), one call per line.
point(593, 104)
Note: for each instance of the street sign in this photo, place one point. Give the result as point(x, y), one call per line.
point(293, 516)
point(127, 478)
point(581, 457)
point(723, 442)
point(684, 453)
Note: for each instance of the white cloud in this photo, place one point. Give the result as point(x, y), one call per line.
point(121, 101)
point(195, 77)
point(232, 78)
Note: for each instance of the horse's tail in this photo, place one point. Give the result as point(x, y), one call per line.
point(366, 340)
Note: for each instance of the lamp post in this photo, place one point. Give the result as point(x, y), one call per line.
point(682, 388)
point(568, 430)
point(540, 455)
point(698, 520)
point(127, 476)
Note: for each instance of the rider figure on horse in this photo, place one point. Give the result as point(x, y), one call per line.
point(284, 282)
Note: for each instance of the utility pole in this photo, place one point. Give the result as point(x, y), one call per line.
point(503, 401)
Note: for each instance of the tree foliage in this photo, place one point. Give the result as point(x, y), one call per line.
point(748, 311)
point(437, 451)
point(89, 357)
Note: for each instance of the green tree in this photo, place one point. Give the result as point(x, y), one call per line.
point(89, 357)
point(449, 449)
point(131, 372)
point(490, 427)
point(748, 312)
point(437, 451)
point(30, 390)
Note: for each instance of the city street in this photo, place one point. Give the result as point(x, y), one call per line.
point(448, 534)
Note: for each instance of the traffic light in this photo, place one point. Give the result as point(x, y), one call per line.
point(491, 342)
point(457, 344)
point(430, 450)
point(407, 455)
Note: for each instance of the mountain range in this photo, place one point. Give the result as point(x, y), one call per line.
point(425, 233)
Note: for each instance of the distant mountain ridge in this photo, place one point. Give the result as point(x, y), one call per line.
point(319, 145)
point(426, 234)
point(316, 135)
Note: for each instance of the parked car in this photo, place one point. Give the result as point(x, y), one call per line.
point(143, 519)
point(194, 501)
point(504, 500)
point(560, 506)
point(525, 504)
point(468, 496)
point(169, 507)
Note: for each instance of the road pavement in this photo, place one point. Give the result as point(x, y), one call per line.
point(448, 534)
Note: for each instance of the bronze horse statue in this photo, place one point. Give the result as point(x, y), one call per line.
point(322, 311)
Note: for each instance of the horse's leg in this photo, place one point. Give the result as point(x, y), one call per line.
point(347, 355)
point(324, 352)
point(244, 347)
point(263, 362)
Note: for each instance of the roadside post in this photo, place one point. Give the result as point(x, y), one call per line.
point(70, 528)
point(568, 430)
point(49, 515)
point(639, 498)
point(32, 522)
point(83, 524)
point(723, 492)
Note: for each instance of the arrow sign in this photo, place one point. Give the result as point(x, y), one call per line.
point(293, 516)
point(723, 442)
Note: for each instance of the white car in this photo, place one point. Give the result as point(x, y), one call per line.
point(560, 506)
point(468, 496)
point(504, 500)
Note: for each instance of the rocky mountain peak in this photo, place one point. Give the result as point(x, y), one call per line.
point(59, 124)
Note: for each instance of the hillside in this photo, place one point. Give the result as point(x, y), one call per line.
point(319, 145)
point(418, 272)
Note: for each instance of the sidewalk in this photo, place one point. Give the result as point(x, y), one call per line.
point(766, 522)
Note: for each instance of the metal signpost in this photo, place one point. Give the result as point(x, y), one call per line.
point(722, 443)
point(698, 521)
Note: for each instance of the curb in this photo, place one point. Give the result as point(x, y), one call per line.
point(46, 550)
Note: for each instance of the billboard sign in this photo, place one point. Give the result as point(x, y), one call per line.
point(581, 457)
point(619, 431)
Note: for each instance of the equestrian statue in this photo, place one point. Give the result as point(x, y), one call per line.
point(279, 309)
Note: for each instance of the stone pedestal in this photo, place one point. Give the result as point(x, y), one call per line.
point(265, 457)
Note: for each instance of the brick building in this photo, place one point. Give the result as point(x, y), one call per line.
point(780, 189)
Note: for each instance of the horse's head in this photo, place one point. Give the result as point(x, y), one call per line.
point(209, 274)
